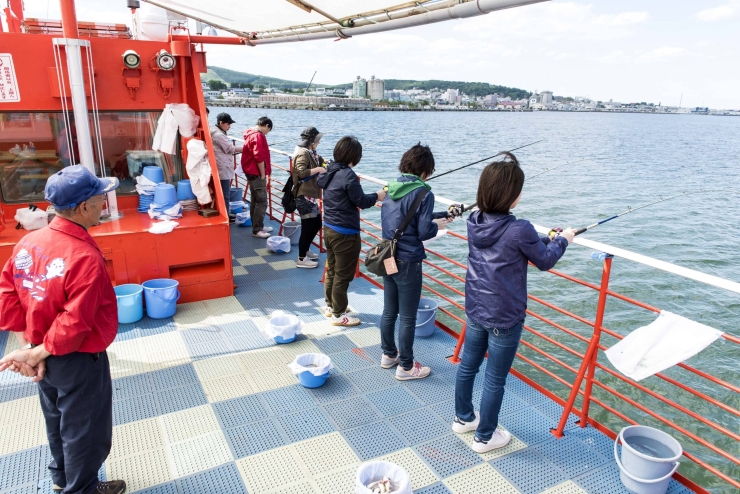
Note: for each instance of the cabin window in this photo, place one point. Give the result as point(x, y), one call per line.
point(34, 146)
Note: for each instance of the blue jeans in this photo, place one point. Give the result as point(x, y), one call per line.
point(501, 345)
point(401, 293)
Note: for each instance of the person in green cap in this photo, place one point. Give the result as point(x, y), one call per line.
point(403, 289)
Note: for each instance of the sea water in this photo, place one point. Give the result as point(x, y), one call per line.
point(649, 447)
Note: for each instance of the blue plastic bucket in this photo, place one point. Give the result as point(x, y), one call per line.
point(161, 297)
point(165, 194)
point(281, 341)
point(130, 306)
point(425, 316)
point(185, 191)
point(308, 380)
point(235, 194)
point(153, 173)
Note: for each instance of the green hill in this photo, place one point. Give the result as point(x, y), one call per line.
point(470, 88)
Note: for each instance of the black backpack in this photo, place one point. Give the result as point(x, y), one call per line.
point(288, 198)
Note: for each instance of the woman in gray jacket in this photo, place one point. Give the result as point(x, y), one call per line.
point(225, 151)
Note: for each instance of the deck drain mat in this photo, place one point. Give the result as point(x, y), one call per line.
point(289, 399)
point(174, 377)
point(594, 440)
point(151, 327)
point(448, 455)
point(334, 344)
point(189, 423)
point(128, 387)
point(200, 453)
point(136, 437)
point(224, 479)
point(445, 410)
point(567, 487)
point(524, 390)
point(269, 470)
point(528, 471)
point(10, 391)
point(141, 470)
point(225, 388)
point(351, 413)
point(133, 409)
point(305, 424)
point(395, 400)
point(481, 478)
point(419, 426)
point(217, 367)
point(375, 439)
point(529, 425)
point(353, 360)
point(372, 379)
point(365, 337)
point(432, 389)
point(211, 349)
point(339, 482)
point(570, 455)
point(421, 475)
point(514, 445)
point(335, 454)
point(253, 438)
point(239, 411)
point(168, 488)
point(21, 468)
point(176, 399)
point(194, 336)
point(554, 411)
point(438, 488)
point(604, 480)
point(336, 388)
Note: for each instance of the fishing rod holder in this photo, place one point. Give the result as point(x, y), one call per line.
point(601, 256)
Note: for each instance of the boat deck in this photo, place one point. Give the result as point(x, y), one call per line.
point(204, 403)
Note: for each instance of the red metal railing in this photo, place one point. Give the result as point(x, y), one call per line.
point(549, 355)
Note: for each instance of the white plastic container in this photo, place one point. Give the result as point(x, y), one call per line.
point(32, 220)
point(279, 245)
point(153, 22)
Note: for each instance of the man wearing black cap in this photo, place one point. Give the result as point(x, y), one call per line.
point(55, 289)
point(225, 152)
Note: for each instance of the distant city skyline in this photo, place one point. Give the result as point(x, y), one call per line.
point(626, 51)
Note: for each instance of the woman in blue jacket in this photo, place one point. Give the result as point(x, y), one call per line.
point(403, 289)
point(496, 296)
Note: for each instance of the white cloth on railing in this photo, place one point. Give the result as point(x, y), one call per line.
point(665, 342)
point(174, 116)
point(199, 170)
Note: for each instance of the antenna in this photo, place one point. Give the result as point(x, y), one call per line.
point(681, 101)
point(309, 83)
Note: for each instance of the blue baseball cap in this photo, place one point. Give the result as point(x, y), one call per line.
point(74, 185)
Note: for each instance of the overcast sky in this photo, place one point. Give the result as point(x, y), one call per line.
point(627, 50)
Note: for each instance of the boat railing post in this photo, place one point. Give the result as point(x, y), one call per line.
point(589, 359)
point(455, 358)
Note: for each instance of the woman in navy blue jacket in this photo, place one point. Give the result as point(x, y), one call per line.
point(500, 246)
point(401, 291)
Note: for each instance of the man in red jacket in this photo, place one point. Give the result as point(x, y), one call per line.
point(256, 166)
point(56, 292)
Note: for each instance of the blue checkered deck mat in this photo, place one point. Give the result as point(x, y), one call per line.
point(204, 402)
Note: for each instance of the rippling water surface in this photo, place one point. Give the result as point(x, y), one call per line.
point(632, 159)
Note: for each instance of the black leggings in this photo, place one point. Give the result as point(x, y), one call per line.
point(309, 228)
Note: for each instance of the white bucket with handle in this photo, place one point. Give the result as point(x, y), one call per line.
point(649, 459)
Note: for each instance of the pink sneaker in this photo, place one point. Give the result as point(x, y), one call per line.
point(418, 371)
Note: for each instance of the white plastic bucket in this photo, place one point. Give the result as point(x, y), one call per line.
point(279, 245)
point(649, 459)
point(373, 471)
point(283, 327)
point(426, 315)
point(292, 230)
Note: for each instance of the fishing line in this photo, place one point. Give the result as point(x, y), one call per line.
point(484, 159)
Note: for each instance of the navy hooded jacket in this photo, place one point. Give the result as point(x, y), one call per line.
point(343, 194)
point(409, 247)
point(496, 282)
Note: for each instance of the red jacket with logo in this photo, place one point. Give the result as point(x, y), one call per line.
point(56, 290)
point(255, 151)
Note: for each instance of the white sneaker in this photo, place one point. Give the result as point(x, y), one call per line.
point(387, 362)
point(460, 427)
point(418, 371)
point(499, 439)
point(306, 263)
point(261, 234)
point(328, 312)
point(312, 255)
point(267, 229)
point(345, 320)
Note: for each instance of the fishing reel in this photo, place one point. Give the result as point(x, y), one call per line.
point(554, 232)
point(455, 210)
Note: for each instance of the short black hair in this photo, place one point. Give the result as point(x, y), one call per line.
point(264, 121)
point(348, 150)
point(208, 112)
point(500, 184)
point(418, 161)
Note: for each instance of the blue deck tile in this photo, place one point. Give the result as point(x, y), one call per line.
point(15, 390)
point(133, 409)
point(438, 362)
point(151, 327)
point(438, 488)
point(246, 284)
point(570, 455)
point(305, 424)
point(432, 389)
point(239, 328)
point(234, 262)
point(674, 487)
point(554, 411)
point(337, 387)
point(257, 304)
point(130, 386)
point(224, 479)
point(424, 346)
point(394, 400)
point(194, 336)
point(19, 469)
point(4, 335)
point(528, 471)
point(127, 332)
point(529, 425)
point(253, 438)
point(173, 377)
point(353, 360)
point(448, 455)
point(373, 440)
point(524, 390)
point(250, 342)
point(334, 344)
point(46, 460)
point(372, 379)
point(350, 413)
point(594, 440)
point(288, 399)
point(239, 411)
point(445, 410)
point(26, 489)
point(182, 398)
point(604, 480)
point(45, 487)
point(419, 426)
point(211, 349)
point(168, 488)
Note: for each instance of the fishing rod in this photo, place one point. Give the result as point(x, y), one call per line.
point(484, 159)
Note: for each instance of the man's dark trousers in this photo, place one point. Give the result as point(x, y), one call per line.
point(77, 402)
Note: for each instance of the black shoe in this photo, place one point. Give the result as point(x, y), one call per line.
point(111, 487)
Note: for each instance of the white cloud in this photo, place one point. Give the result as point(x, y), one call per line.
point(730, 9)
point(660, 53)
